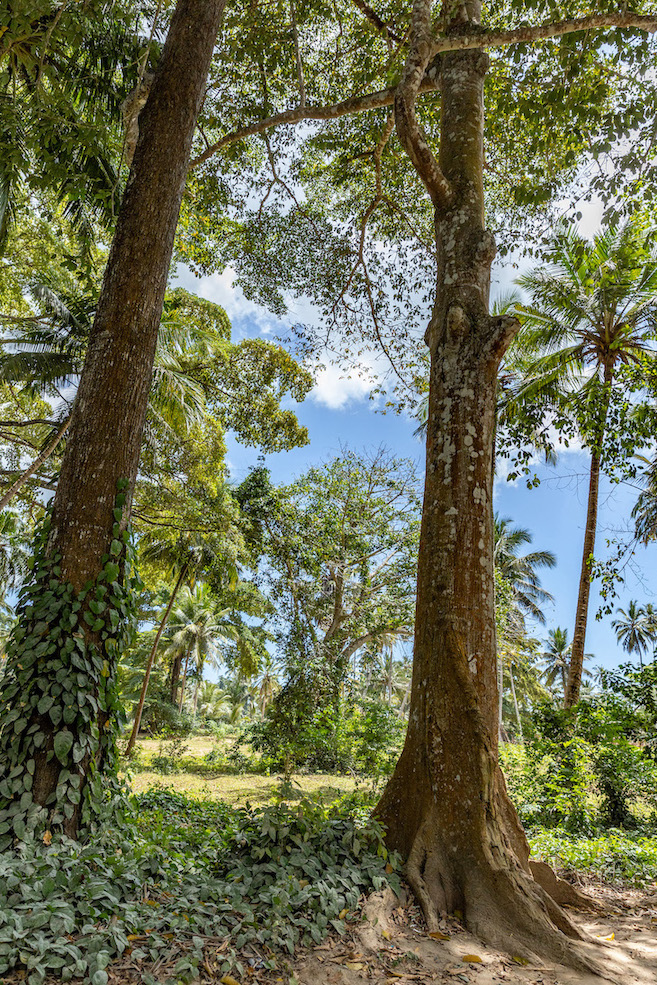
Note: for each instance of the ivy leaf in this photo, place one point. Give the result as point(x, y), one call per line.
point(111, 571)
point(62, 745)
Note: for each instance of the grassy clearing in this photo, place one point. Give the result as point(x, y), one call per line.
point(248, 788)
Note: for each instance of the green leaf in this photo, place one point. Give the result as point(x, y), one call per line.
point(62, 745)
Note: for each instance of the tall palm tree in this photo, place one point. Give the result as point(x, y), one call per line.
point(520, 571)
point(636, 629)
point(592, 308)
point(195, 629)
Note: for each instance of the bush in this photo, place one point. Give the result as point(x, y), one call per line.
point(615, 857)
point(342, 738)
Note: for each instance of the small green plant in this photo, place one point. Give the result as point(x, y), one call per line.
point(169, 758)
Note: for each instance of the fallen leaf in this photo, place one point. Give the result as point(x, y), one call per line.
point(473, 958)
point(438, 936)
point(342, 914)
point(354, 965)
point(519, 960)
point(386, 935)
point(388, 868)
point(228, 980)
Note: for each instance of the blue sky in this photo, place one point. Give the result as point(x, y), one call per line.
point(339, 411)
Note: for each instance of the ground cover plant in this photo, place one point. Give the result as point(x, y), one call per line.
point(181, 878)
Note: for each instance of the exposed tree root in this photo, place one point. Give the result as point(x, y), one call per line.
point(500, 903)
point(561, 891)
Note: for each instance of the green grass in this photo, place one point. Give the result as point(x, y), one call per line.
point(247, 788)
point(187, 771)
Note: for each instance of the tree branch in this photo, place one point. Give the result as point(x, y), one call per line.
point(333, 111)
point(411, 135)
point(378, 23)
point(549, 29)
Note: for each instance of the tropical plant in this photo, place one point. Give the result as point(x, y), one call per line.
point(556, 658)
point(592, 309)
point(520, 571)
point(195, 630)
point(636, 629)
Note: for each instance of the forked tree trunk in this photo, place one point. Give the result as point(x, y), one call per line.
point(446, 808)
point(109, 412)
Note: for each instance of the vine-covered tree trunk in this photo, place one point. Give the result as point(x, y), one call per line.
point(57, 739)
point(446, 807)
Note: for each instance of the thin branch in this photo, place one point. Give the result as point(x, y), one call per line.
point(38, 462)
point(549, 29)
point(333, 111)
point(26, 424)
point(297, 51)
point(374, 19)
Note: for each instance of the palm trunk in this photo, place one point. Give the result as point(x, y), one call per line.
point(34, 467)
point(184, 678)
point(581, 617)
point(175, 678)
point(103, 451)
point(515, 704)
point(149, 664)
point(500, 695)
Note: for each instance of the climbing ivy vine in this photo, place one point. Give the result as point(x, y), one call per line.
point(58, 701)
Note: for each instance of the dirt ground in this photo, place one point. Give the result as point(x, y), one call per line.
point(392, 946)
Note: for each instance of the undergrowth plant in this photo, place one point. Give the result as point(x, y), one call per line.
point(182, 875)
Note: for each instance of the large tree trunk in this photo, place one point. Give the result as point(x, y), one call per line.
point(102, 453)
point(446, 808)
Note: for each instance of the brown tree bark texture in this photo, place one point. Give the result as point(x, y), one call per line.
point(110, 409)
point(107, 422)
point(446, 808)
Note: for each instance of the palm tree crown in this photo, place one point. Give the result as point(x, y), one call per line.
point(636, 629)
point(520, 570)
point(592, 308)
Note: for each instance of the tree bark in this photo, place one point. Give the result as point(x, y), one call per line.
point(446, 808)
point(108, 416)
point(576, 668)
point(515, 705)
point(149, 665)
point(175, 677)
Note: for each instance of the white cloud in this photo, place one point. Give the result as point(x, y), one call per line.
point(219, 289)
point(335, 389)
